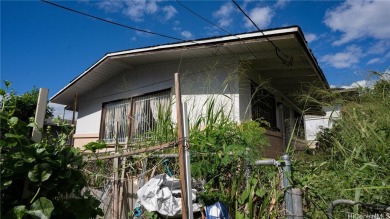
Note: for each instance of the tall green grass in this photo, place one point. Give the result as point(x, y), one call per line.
point(353, 161)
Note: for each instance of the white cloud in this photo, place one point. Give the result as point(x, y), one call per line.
point(186, 34)
point(281, 3)
point(345, 59)
point(136, 10)
point(357, 84)
point(223, 14)
point(261, 16)
point(373, 61)
point(310, 37)
point(110, 6)
point(169, 11)
point(379, 47)
point(358, 19)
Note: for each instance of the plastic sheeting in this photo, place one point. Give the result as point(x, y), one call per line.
point(162, 194)
point(217, 211)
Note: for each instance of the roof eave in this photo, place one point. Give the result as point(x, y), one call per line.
point(201, 42)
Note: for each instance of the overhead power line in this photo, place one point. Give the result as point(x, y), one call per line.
point(198, 15)
point(112, 22)
point(281, 55)
point(208, 21)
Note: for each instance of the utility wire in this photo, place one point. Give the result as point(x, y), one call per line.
point(286, 60)
point(208, 21)
point(196, 14)
point(112, 22)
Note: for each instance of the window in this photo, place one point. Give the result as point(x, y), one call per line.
point(133, 118)
point(145, 115)
point(299, 125)
point(263, 105)
point(115, 121)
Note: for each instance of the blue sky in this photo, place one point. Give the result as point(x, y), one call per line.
point(46, 46)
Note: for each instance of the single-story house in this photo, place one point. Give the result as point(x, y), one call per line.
point(253, 75)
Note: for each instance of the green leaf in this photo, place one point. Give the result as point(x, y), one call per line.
point(40, 173)
point(260, 192)
point(40, 150)
point(16, 212)
point(7, 83)
point(41, 208)
point(19, 211)
point(13, 121)
point(5, 183)
point(244, 196)
point(9, 135)
point(32, 125)
point(2, 92)
point(254, 181)
point(94, 146)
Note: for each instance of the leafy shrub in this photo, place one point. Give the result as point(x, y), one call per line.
point(41, 179)
point(221, 154)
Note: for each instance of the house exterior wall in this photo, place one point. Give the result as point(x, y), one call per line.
point(314, 124)
point(201, 80)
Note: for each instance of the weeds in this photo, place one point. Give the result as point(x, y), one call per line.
point(353, 161)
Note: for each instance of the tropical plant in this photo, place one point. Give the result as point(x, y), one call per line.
point(222, 153)
point(24, 105)
point(40, 180)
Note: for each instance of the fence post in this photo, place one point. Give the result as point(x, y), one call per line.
point(40, 114)
point(187, 162)
point(292, 197)
point(180, 135)
point(287, 186)
point(297, 203)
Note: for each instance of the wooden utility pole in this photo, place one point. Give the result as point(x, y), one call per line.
point(180, 136)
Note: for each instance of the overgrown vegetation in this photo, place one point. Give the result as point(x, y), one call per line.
point(39, 180)
point(222, 154)
point(353, 159)
point(23, 106)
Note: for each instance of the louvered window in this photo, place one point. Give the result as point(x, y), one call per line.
point(133, 118)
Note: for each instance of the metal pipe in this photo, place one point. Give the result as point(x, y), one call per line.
point(297, 203)
point(187, 163)
point(287, 185)
point(267, 162)
point(286, 165)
